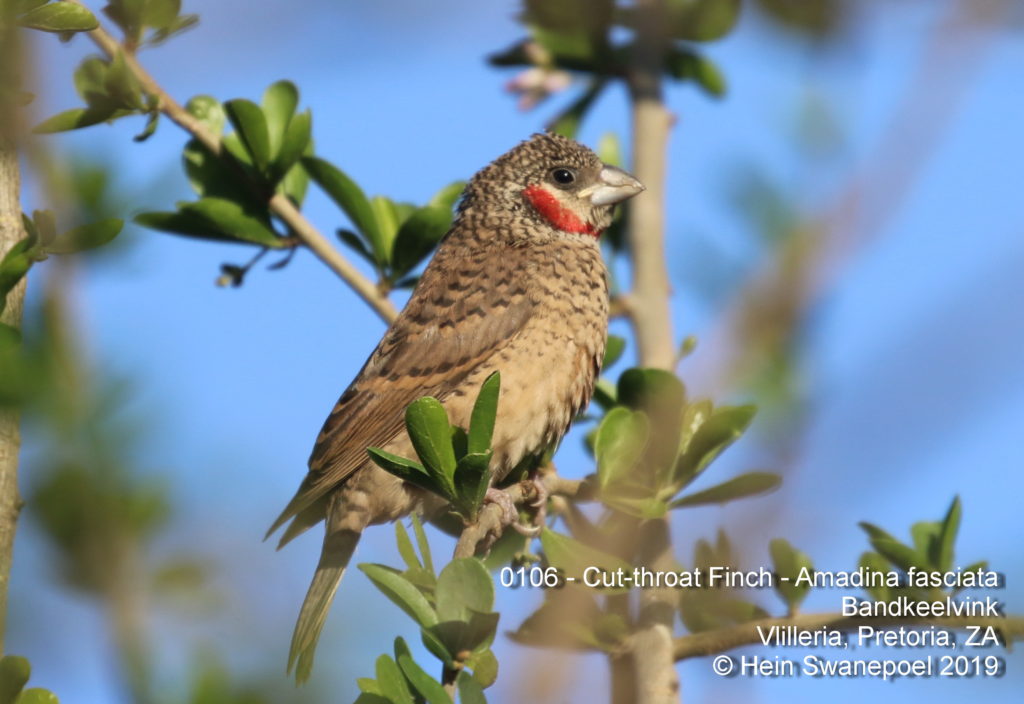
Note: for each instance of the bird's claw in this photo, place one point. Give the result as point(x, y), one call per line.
point(509, 514)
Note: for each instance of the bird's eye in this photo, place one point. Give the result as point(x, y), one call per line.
point(563, 176)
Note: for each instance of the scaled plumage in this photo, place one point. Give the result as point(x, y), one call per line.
point(518, 285)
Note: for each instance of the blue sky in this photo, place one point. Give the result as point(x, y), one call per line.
point(911, 359)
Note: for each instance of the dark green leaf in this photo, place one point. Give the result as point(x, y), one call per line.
point(573, 557)
point(750, 484)
point(251, 126)
point(14, 266)
point(59, 17)
point(14, 674)
point(402, 592)
point(279, 103)
point(651, 390)
point(86, 237)
point(427, 423)
point(472, 477)
point(417, 236)
point(229, 218)
point(463, 585)
point(409, 471)
point(349, 197)
point(874, 531)
point(150, 129)
point(613, 349)
point(900, 555)
point(485, 410)
point(685, 65)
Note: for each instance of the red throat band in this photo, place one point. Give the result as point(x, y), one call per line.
point(557, 214)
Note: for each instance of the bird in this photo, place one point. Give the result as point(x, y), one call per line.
point(517, 285)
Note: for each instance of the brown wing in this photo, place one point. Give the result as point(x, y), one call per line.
point(464, 310)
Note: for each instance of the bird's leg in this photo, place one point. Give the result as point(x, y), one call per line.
point(509, 513)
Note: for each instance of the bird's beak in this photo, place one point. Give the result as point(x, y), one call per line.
point(614, 186)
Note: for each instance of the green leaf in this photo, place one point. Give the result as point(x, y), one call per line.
point(423, 543)
point(14, 266)
point(402, 593)
point(230, 219)
point(573, 557)
point(279, 103)
point(417, 237)
point(208, 111)
point(385, 213)
point(14, 674)
point(251, 126)
point(470, 690)
point(702, 20)
point(186, 224)
point(620, 441)
point(86, 237)
point(160, 14)
point(371, 698)
point(472, 477)
point(447, 196)
point(568, 122)
point(59, 17)
point(613, 349)
point(36, 695)
point(685, 65)
point(427, 423)
point(121, 85)
point(788, 563)
point(900, 555)
point(873, 562)
point(426, 685)
point(349, 197)
point(947, 538)
point(874, 531)
point(485, 667)
point(405, 548)
point(485, 410)
point(750, 484)
point(711, 438)
point(408, 470)
point(392, 682)
point(463, 586)
point(651, 390)
point(296, 139)
point(76, 118)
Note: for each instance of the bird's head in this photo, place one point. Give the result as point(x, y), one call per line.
point(551, 181)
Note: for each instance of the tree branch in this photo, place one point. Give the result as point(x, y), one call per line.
point(11, 232)
point(279, 204)
point(489, 520)
point(725, 639)
point(654, 674)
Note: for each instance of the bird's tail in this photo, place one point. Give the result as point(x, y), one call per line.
point(334, 558)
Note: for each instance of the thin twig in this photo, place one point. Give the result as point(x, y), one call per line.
point(725, 639)
point(279, 204)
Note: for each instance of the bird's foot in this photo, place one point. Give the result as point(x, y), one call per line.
point(509, 512)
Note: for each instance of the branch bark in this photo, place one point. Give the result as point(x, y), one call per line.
point(11, 232)
point(653, 670)
point(725, 639)
point(279, 204)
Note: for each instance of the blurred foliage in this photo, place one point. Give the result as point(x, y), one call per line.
point(15, 672)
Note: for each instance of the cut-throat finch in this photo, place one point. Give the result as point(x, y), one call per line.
point(517, 286)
